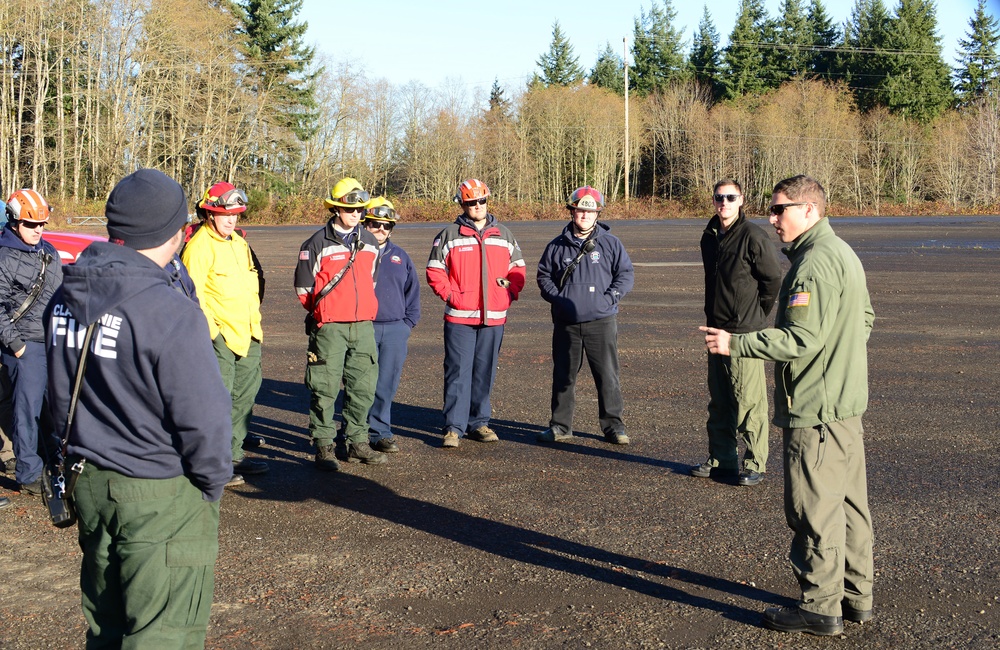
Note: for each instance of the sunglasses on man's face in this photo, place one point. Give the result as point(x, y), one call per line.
point(33, 225)
point(778, 209)
point(473, 203)
point(730, 198)
point(352, 209)
point(379, 225)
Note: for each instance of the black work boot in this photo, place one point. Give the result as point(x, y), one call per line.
point(793, 619)
point(855, 615)
point(325, 459)
point(253, 442)
point(340, 450)
point(386, 445)
point(249, 466)
point(361, 452)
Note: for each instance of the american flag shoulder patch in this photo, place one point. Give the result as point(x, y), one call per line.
point(304, 256)
point(800, 299)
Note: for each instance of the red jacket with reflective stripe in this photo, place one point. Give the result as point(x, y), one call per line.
point(321, 257)
point(463, 268)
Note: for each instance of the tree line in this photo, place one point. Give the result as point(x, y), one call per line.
point(90, 90)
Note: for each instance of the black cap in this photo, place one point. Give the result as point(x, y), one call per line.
point(145, 209)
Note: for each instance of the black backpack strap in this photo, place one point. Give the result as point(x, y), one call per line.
point(588, 245)
point(36, 290)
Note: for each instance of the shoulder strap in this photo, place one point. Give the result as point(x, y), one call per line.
point(36, 290)
point(335, 280)
point(588, 245)
point(85, 350)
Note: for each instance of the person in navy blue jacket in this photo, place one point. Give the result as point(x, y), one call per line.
point(30, 272)
point(151, 435)
point(398, 291)
point(584, 273)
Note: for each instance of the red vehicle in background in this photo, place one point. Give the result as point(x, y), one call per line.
point(70, 245)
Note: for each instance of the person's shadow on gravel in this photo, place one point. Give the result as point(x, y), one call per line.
point(364, 496)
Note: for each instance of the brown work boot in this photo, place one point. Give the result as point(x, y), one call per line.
point(361, 452)
point(325, 459)
point(483, 434)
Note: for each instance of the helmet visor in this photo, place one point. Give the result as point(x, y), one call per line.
point(382, 212)
point(357, 197)
point(233, 199)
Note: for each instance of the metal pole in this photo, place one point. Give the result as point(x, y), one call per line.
point(625, 42)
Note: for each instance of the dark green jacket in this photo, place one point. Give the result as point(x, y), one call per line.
point(820, 336)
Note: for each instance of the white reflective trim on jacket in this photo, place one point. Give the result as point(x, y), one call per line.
point(475, 313)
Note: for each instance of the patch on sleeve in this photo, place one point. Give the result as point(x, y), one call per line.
point(800, 299)
point(304, 256)
point(437, 242)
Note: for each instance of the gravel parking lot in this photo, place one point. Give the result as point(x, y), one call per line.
point(586, 544)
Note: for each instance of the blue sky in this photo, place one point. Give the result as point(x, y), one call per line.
point(444, 43)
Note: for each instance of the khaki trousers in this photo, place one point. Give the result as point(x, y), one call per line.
point(737, 408)
point(826, 506)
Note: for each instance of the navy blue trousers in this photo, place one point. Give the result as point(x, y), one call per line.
point(470, 366)
point(391, 338)
point(28, 378)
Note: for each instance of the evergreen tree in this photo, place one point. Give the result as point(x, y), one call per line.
point(279, 63)
point(791, 53)
point(919, 84)
point(743, 58)
point(609, 71)
point(704, 59)
point(559, 67)
point(499, 105)
point(657, 49)
point(825, 37)
point(864, 59)
point(979, 66)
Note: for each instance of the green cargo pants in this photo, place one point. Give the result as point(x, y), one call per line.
point(737, 407)
point(341, 351)
point(826, 506)
point(242, 377)
point(149, 549)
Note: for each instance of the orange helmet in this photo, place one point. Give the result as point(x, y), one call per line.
point(224, 198)
point(586, 198)
point(471, 190)
point(28, 205)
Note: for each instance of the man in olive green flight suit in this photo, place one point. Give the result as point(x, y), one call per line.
point(819, 344)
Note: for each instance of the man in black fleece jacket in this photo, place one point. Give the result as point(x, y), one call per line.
point(742, 278)
point(151, 434)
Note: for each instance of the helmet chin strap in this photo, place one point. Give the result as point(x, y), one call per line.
point(578, 232)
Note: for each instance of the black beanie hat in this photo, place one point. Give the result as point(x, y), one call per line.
point(145, 209)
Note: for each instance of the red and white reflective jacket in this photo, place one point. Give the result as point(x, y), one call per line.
point(464, 266)
point(321, 257)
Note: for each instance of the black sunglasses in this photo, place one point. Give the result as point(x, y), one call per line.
point(778, 209)
point(731, 198)
point(474, 202)
point(33, 225)
point(379, 225)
